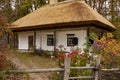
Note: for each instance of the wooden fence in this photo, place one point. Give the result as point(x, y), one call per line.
point(110, 74)
point(65, 71)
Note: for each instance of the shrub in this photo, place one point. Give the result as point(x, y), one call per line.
point(108, 48)
point(2, 60)
point(78, 59)
point(111, 53)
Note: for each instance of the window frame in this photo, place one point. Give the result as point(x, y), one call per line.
point(70, 40)
point(50, 40)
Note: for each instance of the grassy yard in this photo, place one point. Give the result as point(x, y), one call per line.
point(27, 61)
point(32, 60)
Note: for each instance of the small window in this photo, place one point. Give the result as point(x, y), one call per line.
point(50, 40)
point(100, 35)
point(91, 41)
point(72, 40)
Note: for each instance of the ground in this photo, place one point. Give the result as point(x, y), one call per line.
point(31, 61)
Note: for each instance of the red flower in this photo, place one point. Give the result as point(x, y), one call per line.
point(75, 51)
point(61, 56)
point(69, 54)
point(82, 54)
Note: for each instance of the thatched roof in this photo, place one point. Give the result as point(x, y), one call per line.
point(62, 14)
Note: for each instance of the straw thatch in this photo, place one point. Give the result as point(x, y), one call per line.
point(62, 14)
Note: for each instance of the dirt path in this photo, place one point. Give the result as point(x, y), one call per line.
point(22, 66)
point(31, 64)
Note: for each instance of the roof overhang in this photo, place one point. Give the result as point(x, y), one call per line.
point(96, 24)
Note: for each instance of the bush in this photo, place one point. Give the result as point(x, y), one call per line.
point(78, 59)
point(111, 52)
point(2, 61)
point(108, 48)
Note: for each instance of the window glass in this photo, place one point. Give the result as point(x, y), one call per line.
point(50, 40)
point(72, 40)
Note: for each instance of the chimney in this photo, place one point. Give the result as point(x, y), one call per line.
point(53, 1)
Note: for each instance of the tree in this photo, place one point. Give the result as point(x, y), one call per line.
point(24, 7)
point(6, 10)
point(5, 35)
point(109, 9)
point(2, 32)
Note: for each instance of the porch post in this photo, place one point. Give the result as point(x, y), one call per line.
point(15, 40)
point(88, 32)
point(54, 40)
point(34, 40)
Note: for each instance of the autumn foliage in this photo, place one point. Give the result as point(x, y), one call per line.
point(2, 21)
point(2, 55)
point(111, 51)
point(2, 61)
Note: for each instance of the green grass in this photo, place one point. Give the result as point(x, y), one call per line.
point(34, 61)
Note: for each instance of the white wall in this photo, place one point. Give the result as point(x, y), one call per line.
point(38, 39)
point(41, 41)
point(61, 38)
point(23, 39)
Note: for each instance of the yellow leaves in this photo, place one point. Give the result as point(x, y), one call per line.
point(111, 44)
point(111, 53)
point(103, 38)
point(109, 49)
point(109, 35)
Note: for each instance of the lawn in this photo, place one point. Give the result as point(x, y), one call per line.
point(27, 61)
point(33, 60)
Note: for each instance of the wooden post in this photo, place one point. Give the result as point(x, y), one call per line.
point(97, 68)
point(67, 68)
point(34, 44)
point(61, 75)
point(54, 40)
point(14, 40)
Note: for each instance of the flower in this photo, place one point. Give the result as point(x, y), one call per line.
point(61, 56)
point(56, 49)
point(82, 54)
point(61, 46)
point(98, 45)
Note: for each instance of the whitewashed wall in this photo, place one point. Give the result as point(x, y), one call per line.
point(41, 40)
point(23, 40)
point(61, 38)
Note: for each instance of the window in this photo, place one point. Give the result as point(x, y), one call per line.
point(50, 40)
point(72, 40)
point(100, 35)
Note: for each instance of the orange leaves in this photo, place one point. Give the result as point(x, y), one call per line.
point(112, 45)
point(111, 54)
point(2, 60)
point(2, 21)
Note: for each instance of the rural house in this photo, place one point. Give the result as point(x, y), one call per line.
point(66, 23)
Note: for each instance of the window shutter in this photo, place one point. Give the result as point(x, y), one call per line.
point(75, 41)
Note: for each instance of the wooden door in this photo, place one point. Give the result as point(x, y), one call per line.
point(30, 42)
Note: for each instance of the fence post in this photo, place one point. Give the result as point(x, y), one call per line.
point(67, 68)
point(97, 66)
